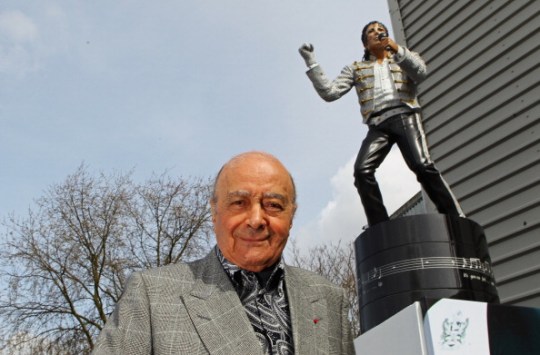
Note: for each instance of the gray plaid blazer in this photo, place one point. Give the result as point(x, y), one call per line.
point(194, 309)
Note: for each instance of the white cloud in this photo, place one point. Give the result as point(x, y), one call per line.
point(17, 26)
point(343, 216)
point(18, 33)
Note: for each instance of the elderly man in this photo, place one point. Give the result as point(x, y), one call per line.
point(386, 83)
point(241, 298)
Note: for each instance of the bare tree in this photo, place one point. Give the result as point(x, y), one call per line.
point(336, 262)
point(168, 217)
point(65, 264)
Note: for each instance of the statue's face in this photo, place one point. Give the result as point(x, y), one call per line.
point(372, 36)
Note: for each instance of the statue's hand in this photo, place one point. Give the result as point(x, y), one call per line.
point(307, 52)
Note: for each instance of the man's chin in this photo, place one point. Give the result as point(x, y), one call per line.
point(255, 263)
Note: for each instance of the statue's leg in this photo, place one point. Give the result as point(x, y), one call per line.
point(413, 146)
point(374, 149)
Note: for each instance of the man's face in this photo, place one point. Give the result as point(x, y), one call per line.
point(372, 33)
point(253, 212)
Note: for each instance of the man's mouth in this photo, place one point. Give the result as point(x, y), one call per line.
point(254, 238)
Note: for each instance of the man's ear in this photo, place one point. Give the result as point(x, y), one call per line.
point(293, 214)
point(213, 210)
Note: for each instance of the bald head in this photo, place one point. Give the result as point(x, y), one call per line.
point(253, 159)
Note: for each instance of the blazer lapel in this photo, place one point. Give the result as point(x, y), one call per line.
point(308, 315)
point(218, 314)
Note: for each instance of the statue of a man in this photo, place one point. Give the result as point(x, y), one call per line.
point(386, 83)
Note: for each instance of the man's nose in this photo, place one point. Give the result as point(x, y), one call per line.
point(256, 217)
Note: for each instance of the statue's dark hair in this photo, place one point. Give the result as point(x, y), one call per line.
point(364, 36)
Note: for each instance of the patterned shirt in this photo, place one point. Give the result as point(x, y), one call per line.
point(266, 305)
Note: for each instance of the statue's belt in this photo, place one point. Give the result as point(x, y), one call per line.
point(382, 115)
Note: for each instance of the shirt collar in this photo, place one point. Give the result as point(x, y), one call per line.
point(234, 272)
point(372, 58)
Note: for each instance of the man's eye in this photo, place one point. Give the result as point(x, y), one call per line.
point(238, 203)
point(273, 206)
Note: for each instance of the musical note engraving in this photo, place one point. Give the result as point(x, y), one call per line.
point(472, 264)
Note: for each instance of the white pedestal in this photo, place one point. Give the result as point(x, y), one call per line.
point(403, 334)
point(455, 327)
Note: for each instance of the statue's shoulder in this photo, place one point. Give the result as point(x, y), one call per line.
point(362, 68)
point(362, 64)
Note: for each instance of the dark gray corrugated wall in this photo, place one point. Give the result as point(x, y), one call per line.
point(481, 106)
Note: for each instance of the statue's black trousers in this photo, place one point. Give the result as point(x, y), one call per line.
point(407, 132)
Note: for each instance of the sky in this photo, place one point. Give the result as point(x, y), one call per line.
point(182, 86)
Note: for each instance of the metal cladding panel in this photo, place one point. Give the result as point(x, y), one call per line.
point(481, 110)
